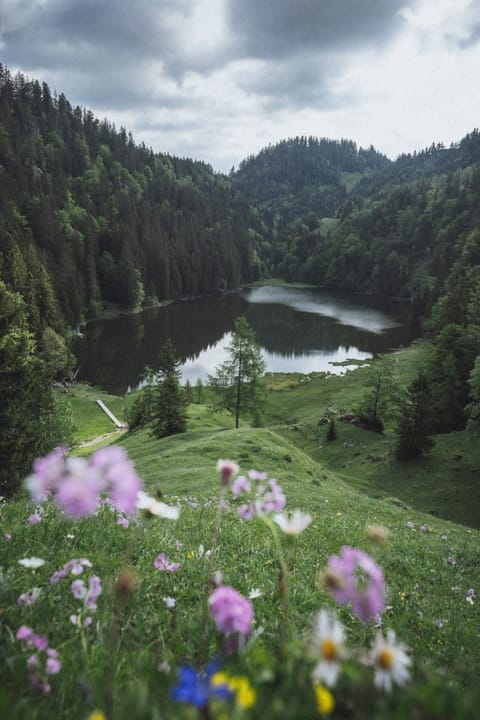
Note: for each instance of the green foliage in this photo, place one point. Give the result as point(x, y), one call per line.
point(380, 402)
point(141, 411)
point(236, 382)
point(169, 401)
point(25, 391)
point(415, 426)
point(332, 430)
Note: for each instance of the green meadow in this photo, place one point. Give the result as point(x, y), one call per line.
point(125, 664)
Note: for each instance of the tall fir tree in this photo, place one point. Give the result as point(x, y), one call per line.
point(170, 404)
point(415, 425)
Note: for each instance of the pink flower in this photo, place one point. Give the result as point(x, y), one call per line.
point(122, 481)
point(35, 517)
point(231, 612)
point(227, 469)
point(359, 581)
point(161, 562)
point(78, 492)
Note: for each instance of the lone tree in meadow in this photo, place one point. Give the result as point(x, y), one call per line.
point(169, 404)
point(236, 380)
point(415, 425)
point(381, 399)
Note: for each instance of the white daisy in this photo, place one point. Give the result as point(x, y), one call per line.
point(33, 563)
point(155, 507)
point(293, 525)
point(255, 593)
point(390, 661)
point(327, 645)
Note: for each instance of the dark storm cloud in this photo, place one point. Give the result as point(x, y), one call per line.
point(281, 28)
point(66, 29)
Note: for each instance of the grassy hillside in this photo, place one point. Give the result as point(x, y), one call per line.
point(126, 663)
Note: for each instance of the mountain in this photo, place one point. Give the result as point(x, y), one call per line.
point(89, 219)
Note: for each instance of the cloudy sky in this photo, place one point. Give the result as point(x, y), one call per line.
point(218, 80)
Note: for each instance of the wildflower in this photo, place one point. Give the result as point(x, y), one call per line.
point(123, 521)
point(156, 508)
point(178, 545)
point(254, 594)
point(76, 484)
point(8, 537)
point(35, 517)
point(359, 582)
point(28, 598)
point(163, 563)
point(46, 473)
point(43, 662)
point(169, 602)
point(79, 590)
point(423, 528)
point(227, 469)
point(32, 563)
point(324, 698)
point(97, 715)
point(471, 595)
point(241, 485)
point(118, 473)
point(266, 496)
point(293, 525)
point(390, 661)
point(231, 612)
point(327, 645)
point(196, 688)
point(239, 685)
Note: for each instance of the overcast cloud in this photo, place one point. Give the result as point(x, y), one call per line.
point(218, 80)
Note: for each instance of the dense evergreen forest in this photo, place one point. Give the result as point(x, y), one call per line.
point(90, 221)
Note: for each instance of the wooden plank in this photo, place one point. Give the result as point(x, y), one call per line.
point(112, 417)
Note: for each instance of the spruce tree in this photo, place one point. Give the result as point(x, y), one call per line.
point(415, 426)
point(236, 380)
point(170, 405)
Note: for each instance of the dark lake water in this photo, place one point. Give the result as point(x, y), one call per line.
point(299, 330)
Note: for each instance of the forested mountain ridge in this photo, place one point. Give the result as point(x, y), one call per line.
point(88, 217)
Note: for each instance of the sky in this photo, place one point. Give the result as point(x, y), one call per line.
point(218, 80)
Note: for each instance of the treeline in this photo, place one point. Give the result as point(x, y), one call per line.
point(410, 230)
point(302, 175)
point(89, 218)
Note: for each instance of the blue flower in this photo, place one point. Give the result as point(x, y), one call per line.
point(196, 688)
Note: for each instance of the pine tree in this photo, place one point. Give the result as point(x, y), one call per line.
point(170, 405)
point(415, 426)
point(24, 391)
point(236, 380)
point(332, 430)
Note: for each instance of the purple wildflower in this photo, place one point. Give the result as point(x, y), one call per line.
point(231, 612)
point(42, 663)
point(266, 496)
point(359, 581)
point(28, 598)
point(161, 562)
point(77, 484)
point(79, 590)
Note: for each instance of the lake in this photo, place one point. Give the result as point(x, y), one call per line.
point(299, 330)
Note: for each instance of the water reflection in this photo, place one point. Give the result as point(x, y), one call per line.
point(298, 330)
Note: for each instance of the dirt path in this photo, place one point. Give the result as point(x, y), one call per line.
point(100, 438)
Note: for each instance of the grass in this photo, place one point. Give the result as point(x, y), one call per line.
point(430, 564)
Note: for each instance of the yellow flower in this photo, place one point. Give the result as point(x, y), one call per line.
point(246, 695)
point(97, 715)
point(191, 555)
point(220, 678)
point(325, 700)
